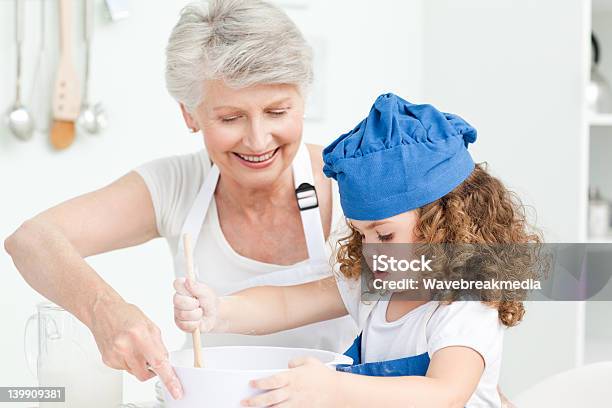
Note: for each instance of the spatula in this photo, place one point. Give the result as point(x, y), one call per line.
point(197, 342)
point(67, 94)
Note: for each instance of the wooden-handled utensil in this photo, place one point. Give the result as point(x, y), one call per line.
point(67, 93)
point(197, 342)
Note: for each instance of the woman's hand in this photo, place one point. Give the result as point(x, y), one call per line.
point(308, 383)
point(129, 341)
point(195, 306)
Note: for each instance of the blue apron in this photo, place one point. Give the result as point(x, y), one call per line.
point(411, 365)
point(414, 365)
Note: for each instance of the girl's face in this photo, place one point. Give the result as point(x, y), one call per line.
point(397, 229)
point(251, 133)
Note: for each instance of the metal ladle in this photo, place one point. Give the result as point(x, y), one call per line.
point(92, 119)
point(18, 118)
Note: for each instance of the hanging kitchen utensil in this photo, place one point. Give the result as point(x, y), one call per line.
point(40, 93)
point(18, 118)
point(599, 93)
point(67, 95)
point(92, 119)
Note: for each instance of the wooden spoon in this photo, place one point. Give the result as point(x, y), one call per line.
point(67, 94)
point(197, 342)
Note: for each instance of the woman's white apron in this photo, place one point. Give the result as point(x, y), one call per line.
point(335, 335)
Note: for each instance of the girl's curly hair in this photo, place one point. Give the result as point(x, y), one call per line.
point(481, 210)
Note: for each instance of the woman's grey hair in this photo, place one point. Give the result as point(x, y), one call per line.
point(241, 42)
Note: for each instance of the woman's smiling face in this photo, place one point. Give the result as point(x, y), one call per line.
point(252, 133)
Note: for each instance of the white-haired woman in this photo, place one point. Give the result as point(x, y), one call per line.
point(254, 201)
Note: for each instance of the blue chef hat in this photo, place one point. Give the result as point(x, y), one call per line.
point(401, 157)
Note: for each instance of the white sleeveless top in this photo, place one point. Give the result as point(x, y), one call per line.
point(174, 183)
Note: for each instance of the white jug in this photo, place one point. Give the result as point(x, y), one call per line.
point(66, 355)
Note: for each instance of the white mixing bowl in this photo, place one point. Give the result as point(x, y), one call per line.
point(224, 380)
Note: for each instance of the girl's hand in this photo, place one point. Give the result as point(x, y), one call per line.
point(195, 306)
point(309, 383)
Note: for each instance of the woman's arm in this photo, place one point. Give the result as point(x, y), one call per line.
point(49, 250)
point(258, 310)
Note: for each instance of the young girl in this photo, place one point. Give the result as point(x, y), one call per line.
point(404, 176)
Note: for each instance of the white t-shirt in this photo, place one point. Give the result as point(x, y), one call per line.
point(174, 183)
point(463, 323)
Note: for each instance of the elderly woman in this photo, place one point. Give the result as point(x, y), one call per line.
point(254, 201)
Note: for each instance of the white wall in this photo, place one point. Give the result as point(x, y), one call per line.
point(365, 56)
point(516, 73)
